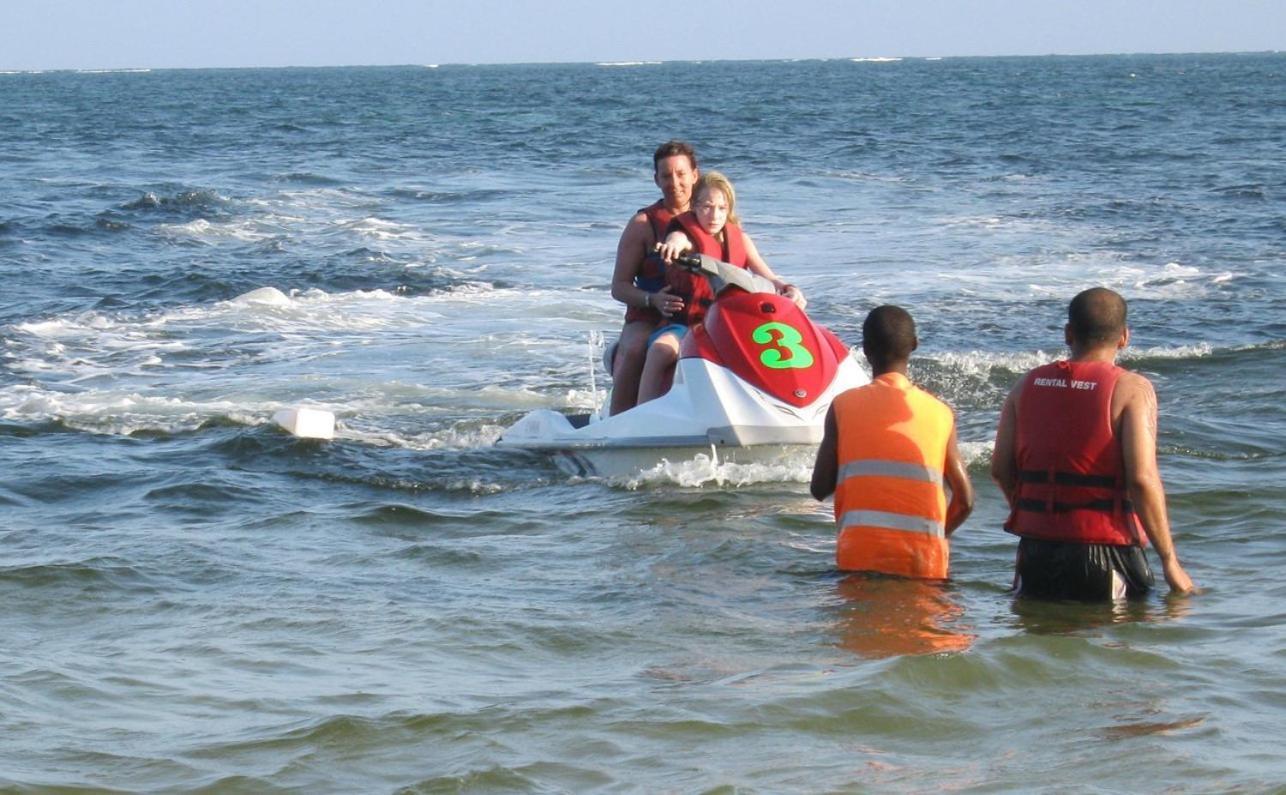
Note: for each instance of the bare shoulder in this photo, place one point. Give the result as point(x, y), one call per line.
point(636, 238)
point(638, 224)
point(1134, 404)
point(1133, 389)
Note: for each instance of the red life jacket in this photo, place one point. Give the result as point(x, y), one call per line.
point(651, 273)
point(695, 290)
point(1071, 485)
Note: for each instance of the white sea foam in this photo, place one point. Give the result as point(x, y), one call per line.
point(123, 412)
point(702, 470)
point(324, 213)
point(1197, 351)
point(270, 296)
point(119, 413)
point(372, 228)
point(1016, 276)
point(460, 437)
point(332, 199)
point(247, 357)
point(980, 363)
point(973, 453)
point(200, 229)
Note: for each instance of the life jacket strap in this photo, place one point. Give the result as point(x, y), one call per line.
point(1111, 506)
point(1066, 478)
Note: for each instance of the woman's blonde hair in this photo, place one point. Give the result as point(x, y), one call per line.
point(714, 180)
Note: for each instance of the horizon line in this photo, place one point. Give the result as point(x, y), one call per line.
point(621, 62)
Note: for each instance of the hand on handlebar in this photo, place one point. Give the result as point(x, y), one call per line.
point(674, 246)
point(793, 293)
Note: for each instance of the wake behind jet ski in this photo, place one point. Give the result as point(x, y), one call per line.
point(753, 381)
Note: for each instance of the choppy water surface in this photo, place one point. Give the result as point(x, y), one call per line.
point(195, 601)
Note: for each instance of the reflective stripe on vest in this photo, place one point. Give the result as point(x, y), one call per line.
point(892, 521)
point(874, 467)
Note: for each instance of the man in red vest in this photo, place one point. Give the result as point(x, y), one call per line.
point(638, 279)
point(887, 450)
point(1075, 456)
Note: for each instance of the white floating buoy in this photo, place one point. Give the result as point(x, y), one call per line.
point(307, 423)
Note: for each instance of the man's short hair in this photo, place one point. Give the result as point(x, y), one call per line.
point(672, 149)
point(1096, 316)
point(888, 334)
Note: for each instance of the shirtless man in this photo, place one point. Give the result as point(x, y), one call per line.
point(637, 280)
point(1075, 456)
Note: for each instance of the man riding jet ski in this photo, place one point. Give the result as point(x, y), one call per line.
point(754, 380)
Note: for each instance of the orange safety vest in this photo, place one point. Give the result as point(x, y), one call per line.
point(890, 505)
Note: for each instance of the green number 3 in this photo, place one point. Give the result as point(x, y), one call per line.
point(786, 351)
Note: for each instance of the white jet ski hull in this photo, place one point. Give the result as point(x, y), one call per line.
point(709, 411)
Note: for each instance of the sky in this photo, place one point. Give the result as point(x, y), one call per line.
point(122, 34)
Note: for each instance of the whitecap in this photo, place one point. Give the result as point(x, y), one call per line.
point(380, 229)
point(703, 469)
point(205, 231)
point(264, 295)
point(973, 453)
point(981, 363)
point(1197, 351)
point(119, 413)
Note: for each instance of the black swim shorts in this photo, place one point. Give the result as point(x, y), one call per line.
point(1086, 572)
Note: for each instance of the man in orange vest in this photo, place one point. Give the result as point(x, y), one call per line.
point(1075, 456)
point(887, 450)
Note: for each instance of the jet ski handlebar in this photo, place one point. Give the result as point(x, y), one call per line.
point(721, 274)
point(689, 262)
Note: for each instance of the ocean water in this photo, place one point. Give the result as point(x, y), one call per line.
point(195, 602)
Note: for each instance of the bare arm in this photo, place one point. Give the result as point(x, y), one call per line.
point(826, 467)
point(1138, 434)
point(757, 265)
point(1004, 466)
point(957, 478)
point(630, 251)
point(675, 243)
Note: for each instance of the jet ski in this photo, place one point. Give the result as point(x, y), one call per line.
point(753, 383)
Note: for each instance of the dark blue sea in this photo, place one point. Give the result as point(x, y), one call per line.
point(194, 601)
